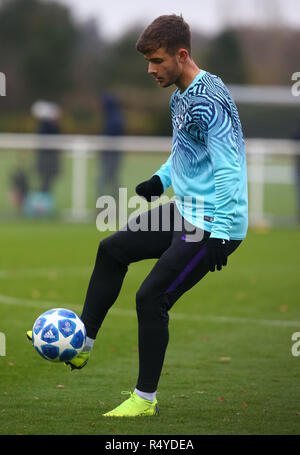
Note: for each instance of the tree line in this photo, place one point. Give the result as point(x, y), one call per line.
point(46, 54)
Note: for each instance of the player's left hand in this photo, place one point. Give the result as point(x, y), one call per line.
point(216, 253)
point(150, 188)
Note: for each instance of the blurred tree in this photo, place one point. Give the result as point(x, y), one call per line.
point(200, 48)
point(225, 58)
point(44, 53)
point(124, 65)
point(36, 44)
point(272, 54)
point(89, 57)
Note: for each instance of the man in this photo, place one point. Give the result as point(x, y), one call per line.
point(47, 161)
point(207, 169)
point(296, 137)
point(110, 161)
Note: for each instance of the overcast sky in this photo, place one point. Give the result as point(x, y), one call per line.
point(208, 16)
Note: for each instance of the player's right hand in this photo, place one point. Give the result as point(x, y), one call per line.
point(216, 253)
point(150, 188)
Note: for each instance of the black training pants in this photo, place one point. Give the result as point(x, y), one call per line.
point(179, 267)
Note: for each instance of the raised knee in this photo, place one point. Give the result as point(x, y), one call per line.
point(105, 245)
point(110, 248)
point(103, 249)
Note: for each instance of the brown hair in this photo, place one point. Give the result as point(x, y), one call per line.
point(168, 31)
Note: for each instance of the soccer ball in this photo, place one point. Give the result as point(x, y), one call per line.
point(58, 335)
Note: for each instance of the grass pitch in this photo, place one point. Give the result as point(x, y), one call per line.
point(228, 369)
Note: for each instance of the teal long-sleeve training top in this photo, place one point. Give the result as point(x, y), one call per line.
point(207, 167)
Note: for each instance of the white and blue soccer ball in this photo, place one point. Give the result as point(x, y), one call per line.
point(58, 335)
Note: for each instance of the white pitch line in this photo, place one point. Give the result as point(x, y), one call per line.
point(6, 300)
point(44, 272)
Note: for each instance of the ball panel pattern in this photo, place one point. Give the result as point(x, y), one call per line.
point(49, 312)
point(39, 324)
point(67, 313)
point(77, 340)
point(68, 354)
point(50, 351)
point(58, 335)
point(66, 327)
point(50, 333)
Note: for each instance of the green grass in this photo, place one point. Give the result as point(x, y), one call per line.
point(228, 368)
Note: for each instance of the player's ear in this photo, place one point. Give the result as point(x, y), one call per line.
point(182, 54)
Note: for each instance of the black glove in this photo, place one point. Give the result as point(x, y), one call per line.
point(216, 253)
point(149, 188)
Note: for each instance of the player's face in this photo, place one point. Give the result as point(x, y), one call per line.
point(165, 68)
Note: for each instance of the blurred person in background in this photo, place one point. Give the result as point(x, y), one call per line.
point(47, 161)
point(110, 160)
point(19, 188)
point(297, 170)
point(40, 202)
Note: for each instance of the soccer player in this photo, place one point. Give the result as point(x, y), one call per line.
point(195, 233)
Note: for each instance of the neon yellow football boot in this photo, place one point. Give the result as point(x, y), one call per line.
point(77, 362)
point(134, 406)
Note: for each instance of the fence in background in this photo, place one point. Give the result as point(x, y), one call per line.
point(272, 182)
